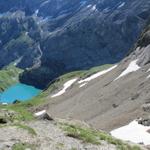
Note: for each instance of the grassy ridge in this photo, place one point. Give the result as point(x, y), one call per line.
point(8, 76)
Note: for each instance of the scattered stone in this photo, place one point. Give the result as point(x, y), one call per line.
point(7, 116)
point(141, 143)
point(115, 105)
point(148, 131)
point(144, 121)
point(134, 97)
point(16, 102)
point(146, 107)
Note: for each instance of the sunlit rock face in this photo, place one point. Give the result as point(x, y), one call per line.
point(52, 37)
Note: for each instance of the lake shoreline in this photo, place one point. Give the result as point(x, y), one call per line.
point(20, 92)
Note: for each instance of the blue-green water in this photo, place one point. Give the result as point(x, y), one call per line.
point(20, 92)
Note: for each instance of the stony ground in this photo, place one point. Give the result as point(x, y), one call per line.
point(49, 137)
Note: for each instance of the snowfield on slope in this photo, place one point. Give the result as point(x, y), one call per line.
point(94, 76)
point(131, 68)
point(133, 132)
point(66, 86)
point(82, 85)
point(121, 5)
point(40, 113)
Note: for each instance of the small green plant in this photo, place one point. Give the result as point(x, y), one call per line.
point(86, 135)
point(59, 145)
point(95, 137)
point(23, 146)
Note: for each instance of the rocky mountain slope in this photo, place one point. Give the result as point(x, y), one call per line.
point(55, 135)
point(50, 38)
point(110, 98)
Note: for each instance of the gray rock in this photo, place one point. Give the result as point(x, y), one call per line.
point(43, 115)
point(144, 121)
point(7, 116)
point(146, 107)
point(3, 120)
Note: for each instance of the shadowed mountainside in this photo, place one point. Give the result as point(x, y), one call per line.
point(51, 38)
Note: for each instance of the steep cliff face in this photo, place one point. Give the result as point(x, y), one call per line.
point(143, 48)
point(72, 35)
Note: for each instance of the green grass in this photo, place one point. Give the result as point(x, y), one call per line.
point(85, 135)
point(9, 76)
point(23, 114)
point(23, 109)
point(23, 146)
point(92, 136)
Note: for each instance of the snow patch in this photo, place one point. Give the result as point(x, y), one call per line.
point(133, 132)
point(17, 61)
point(82, 85)
point(36, 12)
point(88, 6)
point(131, 68)
point(4, 104)
point(121, 5)
point(40, 113)
point(43, 20)
point(66, 86)
point(83, 3)
point(106, 10)
point(148, 77)
point(93, 8)
point(148, 70)
point(44, 3)
point(97, 75)
point(26, 33)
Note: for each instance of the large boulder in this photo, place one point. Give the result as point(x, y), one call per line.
point(43, 115)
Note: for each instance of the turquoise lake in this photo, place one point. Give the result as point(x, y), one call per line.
point(20, 92)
